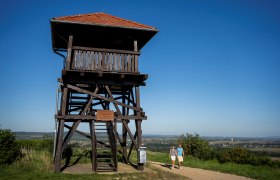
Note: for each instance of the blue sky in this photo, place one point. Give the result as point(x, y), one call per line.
point(213, 67)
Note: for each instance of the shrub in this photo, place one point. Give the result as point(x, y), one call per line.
point(9, 148)
point(243, 156)
point(196, 146)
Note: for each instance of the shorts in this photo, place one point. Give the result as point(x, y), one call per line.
point(173, 158)
point(180, 158)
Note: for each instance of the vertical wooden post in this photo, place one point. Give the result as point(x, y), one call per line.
point(115, 144)
point(93, 146)
point(124, 131)
point(59, 141)
point(136, 57)
point(138, 127)
point(69, 53)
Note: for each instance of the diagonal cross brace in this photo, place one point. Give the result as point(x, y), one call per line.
point(111, 96)
point(103, 98)
point(70, 133)
point(89, 103)
point(130, 135)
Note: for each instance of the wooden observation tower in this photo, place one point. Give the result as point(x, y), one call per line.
point(100, 84)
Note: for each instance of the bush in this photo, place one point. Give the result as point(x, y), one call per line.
point(243, 156)
point(196, 146)
point(9, 148)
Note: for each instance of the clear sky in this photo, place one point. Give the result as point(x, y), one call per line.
point(214, 67)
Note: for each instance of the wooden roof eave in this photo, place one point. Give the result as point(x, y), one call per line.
point(53, 33)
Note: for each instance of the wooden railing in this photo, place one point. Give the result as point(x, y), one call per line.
point(110, 60)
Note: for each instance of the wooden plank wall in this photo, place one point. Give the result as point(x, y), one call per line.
point(94, 60)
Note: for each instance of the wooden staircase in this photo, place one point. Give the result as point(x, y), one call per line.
point(105, 147)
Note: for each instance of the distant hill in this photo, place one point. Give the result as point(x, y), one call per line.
point(40, 135)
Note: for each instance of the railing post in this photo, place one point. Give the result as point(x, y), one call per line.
point(136, 56)
point(69, 52)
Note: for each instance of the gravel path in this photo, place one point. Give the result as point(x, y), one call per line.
point(198, 174)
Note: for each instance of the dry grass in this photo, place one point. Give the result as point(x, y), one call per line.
point(36, 160)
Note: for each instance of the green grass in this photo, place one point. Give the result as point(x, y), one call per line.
point(36, 164)
point(256, 172)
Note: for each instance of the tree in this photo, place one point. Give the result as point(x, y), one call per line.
point(196, 146)
point(9, 148)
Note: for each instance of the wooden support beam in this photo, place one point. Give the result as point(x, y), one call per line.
point(136, 56)
point(131, 136)
point(124, 131)
point(59, 142)
point(131, 146)
point(91, 117)
point(79, 132)
point(69, 53)
point(116, 134)
point(70, 134)
point(111, 96)
point(138, 127)
point(88, 105)
point(93, 146)
point(115, 137)
point(58, 152)
point(102, 97)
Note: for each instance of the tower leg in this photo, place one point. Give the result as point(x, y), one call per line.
point(59, 140)
point(124, 132)
point(138, 128)
point(58, 152)
point(93, 146)
point(139, 142)
point(124, 137)
point(115, 146)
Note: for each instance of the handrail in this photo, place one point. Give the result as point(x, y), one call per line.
point(105, 50)
point(97, 59)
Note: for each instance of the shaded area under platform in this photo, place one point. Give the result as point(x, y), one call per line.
point(110, 78)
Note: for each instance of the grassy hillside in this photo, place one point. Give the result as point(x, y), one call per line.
point(36, 163)
point(256, 172)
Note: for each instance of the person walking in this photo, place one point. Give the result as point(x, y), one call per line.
point(180, 154)
point(173, 154)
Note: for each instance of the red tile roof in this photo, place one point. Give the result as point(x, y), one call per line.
point(103, 19)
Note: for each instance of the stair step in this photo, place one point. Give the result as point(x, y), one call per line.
point(100, 158)
point(105, 164)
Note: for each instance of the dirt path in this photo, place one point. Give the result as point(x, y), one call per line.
point(198, 174)
point(191, 173)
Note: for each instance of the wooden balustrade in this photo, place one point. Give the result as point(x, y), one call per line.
point(110, 60)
